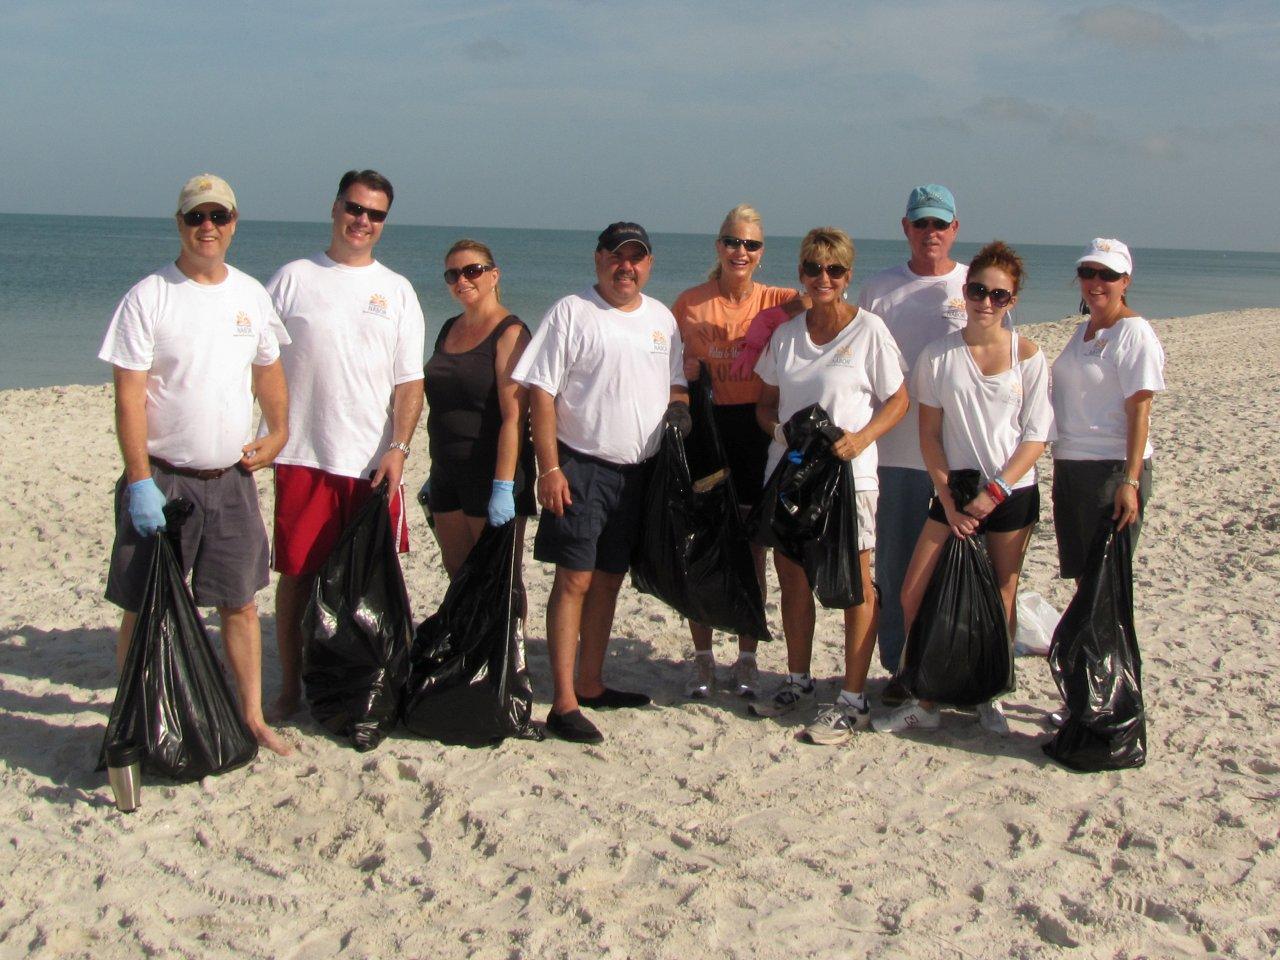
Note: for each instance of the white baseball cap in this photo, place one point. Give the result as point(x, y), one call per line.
point(205, 188)
point(1109, 253)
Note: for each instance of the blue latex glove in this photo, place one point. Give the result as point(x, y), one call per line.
point(502, 502)
point(146, 506)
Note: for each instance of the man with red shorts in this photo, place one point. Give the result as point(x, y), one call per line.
point(354, 369)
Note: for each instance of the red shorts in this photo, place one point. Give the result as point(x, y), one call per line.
point(312, 509)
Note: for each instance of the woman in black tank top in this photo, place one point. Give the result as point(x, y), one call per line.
point(477, 419)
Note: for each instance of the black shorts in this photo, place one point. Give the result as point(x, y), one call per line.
point(746, 448)
point(600, 527)
point(1084, 497)
point(458, 485)
point(1020, 509)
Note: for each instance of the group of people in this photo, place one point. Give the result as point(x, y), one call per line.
point(924, 376)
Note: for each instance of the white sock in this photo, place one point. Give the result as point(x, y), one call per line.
point(709, 654)
point(856, 700)
point(801, 678)
point(746, 655)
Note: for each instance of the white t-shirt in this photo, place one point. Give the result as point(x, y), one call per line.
point(197, 341)
point(611, 372)
point(850, 376)
point(984, 419)
point(357, 332)
point(917, 310)
point(1091, 382)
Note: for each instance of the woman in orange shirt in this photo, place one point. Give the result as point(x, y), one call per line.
point(713, 318)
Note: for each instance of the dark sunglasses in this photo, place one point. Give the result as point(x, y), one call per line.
point(472, 271)
point(930, 223)
point(219, 218)
point(833, 270)
point(733, 243)
point(977, 292)
point(1103, 273)
point(375, 216)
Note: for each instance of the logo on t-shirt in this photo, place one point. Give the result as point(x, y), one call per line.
point(660, 343)
point(1095, 346)
point(843, 357)
point(244, 324)
point(953, 309)
point(1013, 396)
point(377, 305)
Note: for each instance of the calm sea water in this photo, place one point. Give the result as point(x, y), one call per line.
point(61, 277)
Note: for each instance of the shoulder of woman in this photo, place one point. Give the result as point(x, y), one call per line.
point(1027, 348)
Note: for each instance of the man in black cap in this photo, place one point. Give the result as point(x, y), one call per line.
point(604, 373)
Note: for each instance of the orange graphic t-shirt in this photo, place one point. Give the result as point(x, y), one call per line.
point(712, 329)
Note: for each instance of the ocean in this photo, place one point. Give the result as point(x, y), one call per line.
point(61, 277)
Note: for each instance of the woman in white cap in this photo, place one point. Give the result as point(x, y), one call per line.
point(713, 318)
point(1103, 384)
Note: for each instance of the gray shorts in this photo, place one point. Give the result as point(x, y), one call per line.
point(224, 542)
point(600, 527)
point(1084, 496)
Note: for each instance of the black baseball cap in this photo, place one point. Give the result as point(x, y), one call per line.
point(616, 234)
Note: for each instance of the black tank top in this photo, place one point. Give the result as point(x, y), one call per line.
point(464, 417)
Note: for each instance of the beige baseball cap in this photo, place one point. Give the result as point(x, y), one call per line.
point(205, 188)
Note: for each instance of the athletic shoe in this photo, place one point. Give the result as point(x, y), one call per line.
point(573, 726)
point(702, 678)
point(785, 699)
point(744, 678)
point(907, 719)
point(836, 724)
point(894, 694)
point(612, 699)
point(991, 716)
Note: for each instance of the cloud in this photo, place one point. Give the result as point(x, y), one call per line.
point(1128, 27)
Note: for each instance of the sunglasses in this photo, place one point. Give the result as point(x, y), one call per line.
point(833, 270)
point(219, 218)
point(355, 209)
point(1101, 273)
point(977, 292)
point(472, 271)
point(930, 223)
point(733, 243)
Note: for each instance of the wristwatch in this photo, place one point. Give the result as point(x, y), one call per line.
point(402, 447)
point(1129, 481)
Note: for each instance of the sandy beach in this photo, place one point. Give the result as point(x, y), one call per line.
point(693, 830)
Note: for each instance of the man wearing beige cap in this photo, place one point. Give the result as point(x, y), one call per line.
point(191, 345)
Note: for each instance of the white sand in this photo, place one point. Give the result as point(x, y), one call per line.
point(692, 831)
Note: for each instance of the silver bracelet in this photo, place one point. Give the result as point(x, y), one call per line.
point(402, 447)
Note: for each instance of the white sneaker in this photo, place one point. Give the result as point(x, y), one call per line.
point(702, 678)
point(744, 678)
point(786, 699)
point(908, 718)
point(991, 716)
point(836, 723)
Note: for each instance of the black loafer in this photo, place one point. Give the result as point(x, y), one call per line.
point(573, 726)
point(615, 700)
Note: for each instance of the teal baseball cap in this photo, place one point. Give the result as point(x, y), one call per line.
point(931, 200)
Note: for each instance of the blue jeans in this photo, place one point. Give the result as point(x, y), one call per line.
point(900, 516)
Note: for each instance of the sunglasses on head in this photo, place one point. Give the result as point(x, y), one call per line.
point(355, 209)
point(472, 271)
point(733, 243)
point(1101, 273)
point(833, 270)
point(977, 292)
point(219, 218)
point(930, 223)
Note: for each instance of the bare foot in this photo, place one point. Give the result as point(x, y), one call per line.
point(284, 707)
point(268, 738)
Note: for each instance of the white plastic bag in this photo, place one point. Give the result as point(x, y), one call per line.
point(1036, 622)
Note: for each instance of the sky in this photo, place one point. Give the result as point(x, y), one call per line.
point(1052, 122)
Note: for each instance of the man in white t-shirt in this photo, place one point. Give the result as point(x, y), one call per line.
point(604, 372)
point(919, 301)
point(190, 346)
point(355, 380)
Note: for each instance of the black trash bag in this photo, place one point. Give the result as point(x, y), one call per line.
point(469, 683)
point(1095, 662)
point(808, 511)
point(693, 553)
point(357, 630)
point(173, 700)
point(958, 650)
